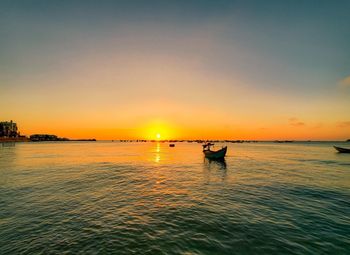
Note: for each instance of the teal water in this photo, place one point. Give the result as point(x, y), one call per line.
point(147, 198)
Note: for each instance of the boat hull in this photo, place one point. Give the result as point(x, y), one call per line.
point(342, 150)
point(219, 154)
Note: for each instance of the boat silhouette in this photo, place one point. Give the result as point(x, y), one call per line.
point(216, 155)
point(342, 150)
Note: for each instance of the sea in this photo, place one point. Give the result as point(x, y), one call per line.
point(148, 198)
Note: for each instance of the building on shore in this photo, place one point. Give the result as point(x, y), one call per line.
point(43, 137)
point(9, 133)
point(8, 129)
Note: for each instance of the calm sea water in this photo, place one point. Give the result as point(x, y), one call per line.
point(147, 198)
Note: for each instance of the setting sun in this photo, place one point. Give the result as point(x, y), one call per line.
point(157, 129)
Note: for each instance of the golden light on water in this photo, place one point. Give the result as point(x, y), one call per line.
point(157, 158)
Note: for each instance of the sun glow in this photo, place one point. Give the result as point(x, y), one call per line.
point(157, 130)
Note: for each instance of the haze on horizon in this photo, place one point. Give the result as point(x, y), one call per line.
point(183, 69)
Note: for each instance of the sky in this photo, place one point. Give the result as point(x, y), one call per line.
point(184, 69)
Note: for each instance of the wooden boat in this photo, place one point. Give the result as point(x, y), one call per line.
point(342, 150)
point(171, 145)
point(208, 153)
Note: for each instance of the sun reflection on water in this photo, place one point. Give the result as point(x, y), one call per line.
point(157, 158)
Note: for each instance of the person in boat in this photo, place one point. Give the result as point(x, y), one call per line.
point(206, 147)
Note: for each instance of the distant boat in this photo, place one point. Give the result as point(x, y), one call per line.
point(171, 145)
point(342, 150)
point(208, 153)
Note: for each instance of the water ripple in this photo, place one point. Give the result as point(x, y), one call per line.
point(111, 198)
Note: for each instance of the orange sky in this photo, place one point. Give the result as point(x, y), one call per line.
point(140, 97)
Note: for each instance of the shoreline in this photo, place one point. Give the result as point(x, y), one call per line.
point(27, 140)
